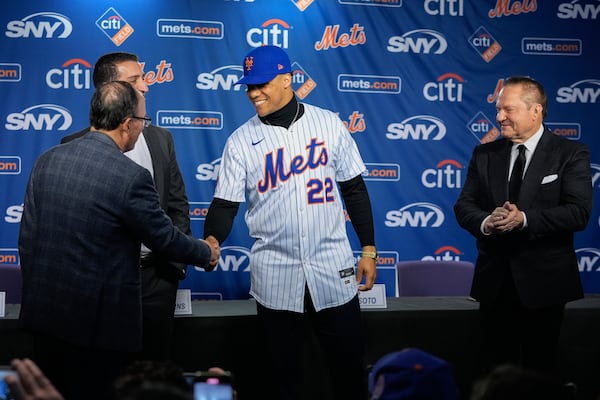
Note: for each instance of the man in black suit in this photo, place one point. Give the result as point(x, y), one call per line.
point(87, 209)
point(155, 151)
point(526, 269)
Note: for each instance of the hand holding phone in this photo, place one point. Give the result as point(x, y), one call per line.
point(5, 370)
point(213, 386)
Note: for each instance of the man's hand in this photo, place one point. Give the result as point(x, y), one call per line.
point(31, 384)
point(366, 267)
point(504, 219)
point(215, 248)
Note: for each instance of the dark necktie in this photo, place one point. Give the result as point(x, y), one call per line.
point(514, 184)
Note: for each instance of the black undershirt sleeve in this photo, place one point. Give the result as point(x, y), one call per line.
point(219, 219)
point(358, 205)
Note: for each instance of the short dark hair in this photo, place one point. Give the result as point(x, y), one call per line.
point(533, 91)
point(105, 69)
point(513, 382)
point(111, 103)
point(150, 376)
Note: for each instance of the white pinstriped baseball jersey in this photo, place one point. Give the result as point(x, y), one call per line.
point(288, 177)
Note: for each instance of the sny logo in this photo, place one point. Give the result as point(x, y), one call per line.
point(40, 25)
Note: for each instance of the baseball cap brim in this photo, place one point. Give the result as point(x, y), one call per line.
point(256, 79)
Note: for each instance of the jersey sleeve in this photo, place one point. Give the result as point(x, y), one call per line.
point(349, 161)
point(232, 174)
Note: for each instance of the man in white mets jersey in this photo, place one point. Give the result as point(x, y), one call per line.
point(287, 162)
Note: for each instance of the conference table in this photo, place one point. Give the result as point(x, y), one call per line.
point(224, 333)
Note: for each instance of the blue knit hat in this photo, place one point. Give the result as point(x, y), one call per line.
point(412, 374)
point(263, 64)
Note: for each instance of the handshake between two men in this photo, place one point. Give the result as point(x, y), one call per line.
point(215, 253)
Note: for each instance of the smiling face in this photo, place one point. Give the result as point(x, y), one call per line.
point(518, 114)
point(271, 96)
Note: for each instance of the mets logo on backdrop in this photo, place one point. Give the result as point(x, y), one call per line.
point(114, 26)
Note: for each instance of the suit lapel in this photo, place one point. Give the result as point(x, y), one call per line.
point(499, 162)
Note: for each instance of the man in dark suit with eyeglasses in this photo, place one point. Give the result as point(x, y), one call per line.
point(155, 151)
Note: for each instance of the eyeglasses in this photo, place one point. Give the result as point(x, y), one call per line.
point(146, 120)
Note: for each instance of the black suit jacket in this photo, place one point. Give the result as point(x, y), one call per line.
point(556, 196)
point(168, 181)
point(87, 210)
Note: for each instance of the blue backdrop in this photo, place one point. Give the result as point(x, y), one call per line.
point(415, 81)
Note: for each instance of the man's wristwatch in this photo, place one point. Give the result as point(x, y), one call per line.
point(370, 254)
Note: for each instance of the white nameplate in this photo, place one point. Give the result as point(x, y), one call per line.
point(374, 298)
point(183, 302)
point(2, 302)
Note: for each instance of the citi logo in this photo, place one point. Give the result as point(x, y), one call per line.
point(75, 73)
point(382, 172)
point(302, 4)
point(43, 25)
point(10, 165)
point(272, 32)
point(444, 253)
point(449, 87)
point(331, 39)
point(565, 129)
point(10, 72)
point(452, 8)
point(446, 174)
point(585, 91)
point(595, 175)
point(483, 42)
point(114, 26)
point(482, 128)
point(9, 257)
point(220, 78)
point(575, 10)
point(588, 259)
point(302, 82)
point(419, 41)
point(208, 172)
point(418, 127)
point(416, 215)
point(198, 210)
point(40, 117)
point(14, 214)
point(233, 259)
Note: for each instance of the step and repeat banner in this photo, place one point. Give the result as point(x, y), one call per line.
point(415, 82)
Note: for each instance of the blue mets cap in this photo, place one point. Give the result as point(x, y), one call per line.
point(412, 374)
point(263, 64)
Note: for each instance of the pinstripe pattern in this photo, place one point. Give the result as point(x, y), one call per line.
point(294, 207)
